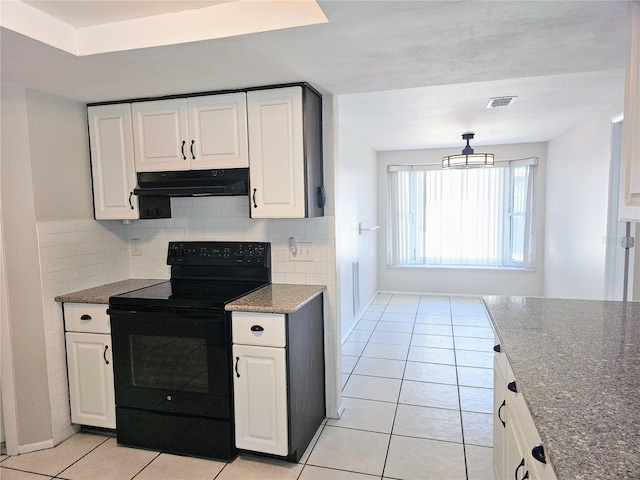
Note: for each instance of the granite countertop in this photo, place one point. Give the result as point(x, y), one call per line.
point(102, 293)
point(276, 298)
point(577, 364)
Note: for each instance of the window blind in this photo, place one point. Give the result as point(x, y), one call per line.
point(461, 217)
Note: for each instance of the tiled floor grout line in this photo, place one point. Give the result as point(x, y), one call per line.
point(149, 463)
point(395, 413)
point(455, 359)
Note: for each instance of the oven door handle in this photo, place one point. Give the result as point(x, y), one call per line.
point(236, 368)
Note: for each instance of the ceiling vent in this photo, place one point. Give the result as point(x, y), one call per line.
point(500, 101)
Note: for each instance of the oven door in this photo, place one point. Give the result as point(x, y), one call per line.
point(173, 361)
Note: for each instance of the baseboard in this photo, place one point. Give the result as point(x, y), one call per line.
point(33, 447)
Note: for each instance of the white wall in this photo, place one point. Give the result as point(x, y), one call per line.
point(24, 310)
point(59, 154)
point(577, 198)
point(460, 280)
point(356, 200)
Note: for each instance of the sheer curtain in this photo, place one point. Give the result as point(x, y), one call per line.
point(459, 217)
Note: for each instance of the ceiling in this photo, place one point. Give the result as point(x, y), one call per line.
point(408, 74)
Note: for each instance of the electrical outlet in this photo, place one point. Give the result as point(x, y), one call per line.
point(136, 249)
point(305, 252)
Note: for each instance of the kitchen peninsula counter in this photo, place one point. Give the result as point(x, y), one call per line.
point(102, 293)
point(577, 364)
point(276, 298)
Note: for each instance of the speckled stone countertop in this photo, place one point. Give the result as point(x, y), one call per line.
point(101, 294)
point(577, 363)
point(276, 298)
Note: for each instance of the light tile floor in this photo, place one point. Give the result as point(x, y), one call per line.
point(417, 396)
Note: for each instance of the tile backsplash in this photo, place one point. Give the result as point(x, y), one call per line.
point(80, 254)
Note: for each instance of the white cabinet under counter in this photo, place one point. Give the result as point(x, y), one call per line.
point(90, 364)
point(518, 451)
point(568, 372)
point(278, 373)
point(260, 382)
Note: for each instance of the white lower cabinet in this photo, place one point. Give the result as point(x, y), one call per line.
point(278, 379)
point(517, 449)
point(90, 364)
point(260, 393)
point(90, 373)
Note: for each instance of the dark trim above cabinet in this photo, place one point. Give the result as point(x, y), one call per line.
point(202, 94)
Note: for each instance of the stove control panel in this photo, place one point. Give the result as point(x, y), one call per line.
point(220, 253)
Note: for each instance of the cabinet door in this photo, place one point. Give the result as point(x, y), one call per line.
point(260, 399)
point(112, 162)
point(499, 422)
point(276, 144)
point(160, 135)
point(218, 129)
point(516, 458)
point(630, 166)
point(90, 370)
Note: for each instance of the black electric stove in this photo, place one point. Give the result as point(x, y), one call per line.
point(172, 349)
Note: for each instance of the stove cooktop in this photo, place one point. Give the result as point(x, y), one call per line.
point(204, 275)
point(202, 295)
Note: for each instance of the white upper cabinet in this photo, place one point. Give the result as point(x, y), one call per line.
point(218, 130)
point(630, 167)
point(112, 162)
point(205, 132)
point(160, 135)
point(285, 141)
point(277, 154)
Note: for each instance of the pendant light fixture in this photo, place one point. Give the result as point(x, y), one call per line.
point(468, 158)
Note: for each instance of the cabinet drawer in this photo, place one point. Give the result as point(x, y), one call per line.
point(86, 317)
point(264, 329)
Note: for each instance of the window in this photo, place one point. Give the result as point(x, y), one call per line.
point(479, 217)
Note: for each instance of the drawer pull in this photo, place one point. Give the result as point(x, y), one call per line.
point(497, 348)
point(537, 452)
point(85, 317)
point(512, 386)
point(257, 328)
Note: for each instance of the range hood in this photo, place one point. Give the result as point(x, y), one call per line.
point(193, 183)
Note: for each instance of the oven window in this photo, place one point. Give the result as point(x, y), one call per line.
point(169, 363)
